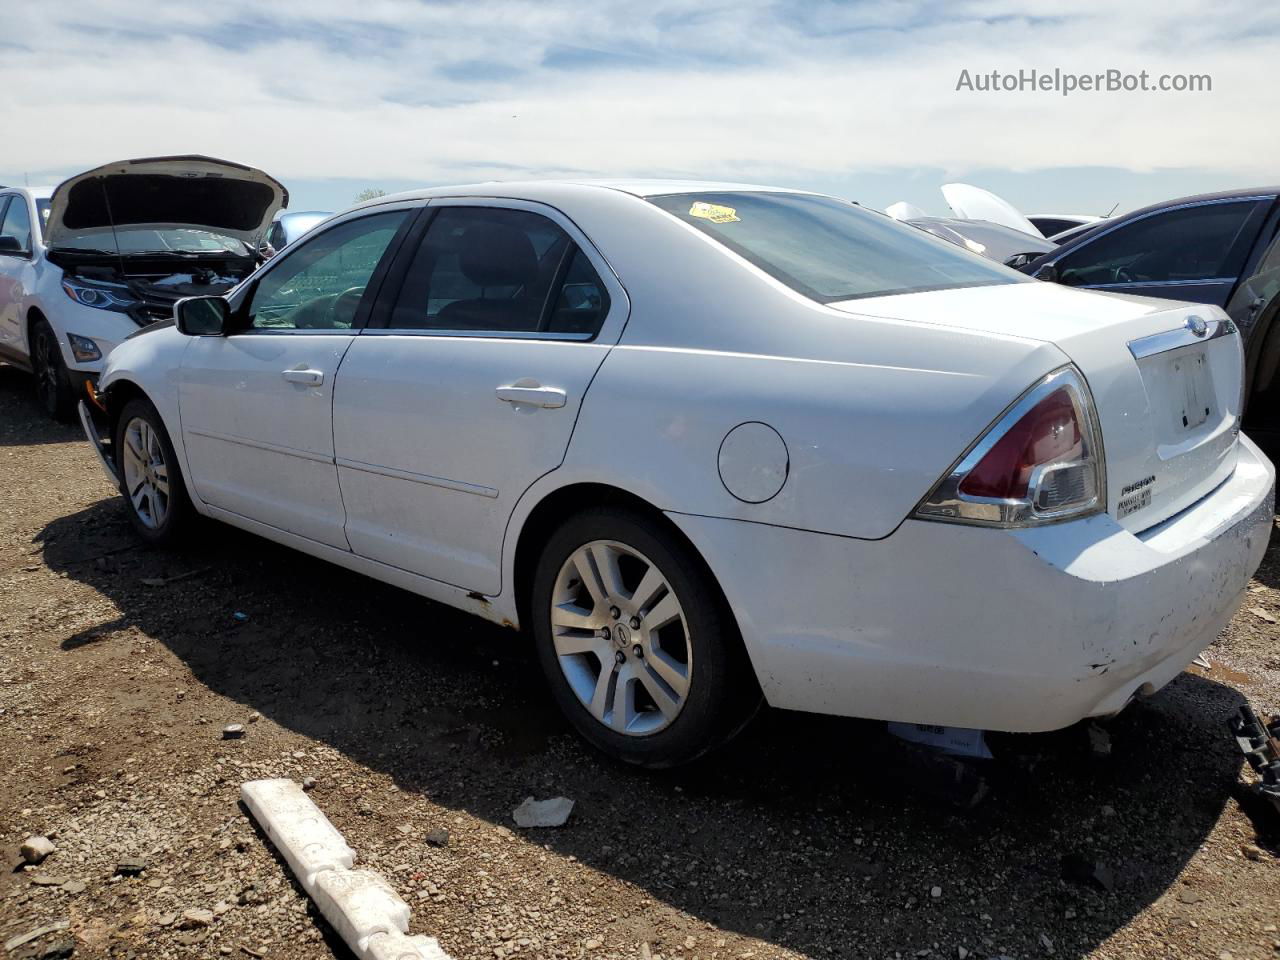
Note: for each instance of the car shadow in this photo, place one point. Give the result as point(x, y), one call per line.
point(24, 422)
point(806, 832)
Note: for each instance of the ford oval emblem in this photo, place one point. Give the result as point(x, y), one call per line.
point(1197, 325)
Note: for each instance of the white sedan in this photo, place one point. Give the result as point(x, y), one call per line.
point(714, 445)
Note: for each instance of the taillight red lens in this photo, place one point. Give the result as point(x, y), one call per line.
point(1039, 463)
point(1048, 433)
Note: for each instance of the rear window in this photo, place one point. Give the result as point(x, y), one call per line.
point(828, 249)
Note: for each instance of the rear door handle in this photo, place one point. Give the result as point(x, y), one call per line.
point(312, 378)
point(531, 394)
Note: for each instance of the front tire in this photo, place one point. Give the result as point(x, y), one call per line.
point(637, 642)
point(53, 383)
point(150, 477)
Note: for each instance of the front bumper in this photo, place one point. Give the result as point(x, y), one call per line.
point(94, 423)
point(1019, 630)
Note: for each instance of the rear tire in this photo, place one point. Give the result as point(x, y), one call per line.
point(53, 383)
point(671, 681)
point(155, 494)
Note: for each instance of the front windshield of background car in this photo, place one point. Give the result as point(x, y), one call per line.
point(829, 249)
point(42, 208)
point(135, 240)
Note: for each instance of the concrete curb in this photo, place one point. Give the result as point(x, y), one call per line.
point(360, 905)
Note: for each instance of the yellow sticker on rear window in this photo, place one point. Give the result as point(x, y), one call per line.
point(715, 212)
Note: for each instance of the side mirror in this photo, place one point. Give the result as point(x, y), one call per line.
point(11, 245)
point(1048, 273)
point(203, 316)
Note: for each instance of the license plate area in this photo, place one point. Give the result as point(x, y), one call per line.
point(1190, 383)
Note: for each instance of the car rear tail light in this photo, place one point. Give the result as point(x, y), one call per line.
point(1041, 461)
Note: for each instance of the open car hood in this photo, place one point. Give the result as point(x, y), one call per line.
point(164, 193)
point(974, 203)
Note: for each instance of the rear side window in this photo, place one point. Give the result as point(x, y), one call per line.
point(1206, 242)
point(492, 270)
point(829, 249)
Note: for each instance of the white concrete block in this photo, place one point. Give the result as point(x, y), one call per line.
point(300, 831)
point(396, 946)
point(360, 905)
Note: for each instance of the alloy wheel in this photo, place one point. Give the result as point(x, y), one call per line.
point(146, 474)
point(621, 638)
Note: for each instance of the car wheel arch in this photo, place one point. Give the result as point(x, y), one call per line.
point(116, 397)
point(556, 506)
point(35, 315)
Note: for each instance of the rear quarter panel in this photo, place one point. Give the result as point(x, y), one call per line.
point(865, 441)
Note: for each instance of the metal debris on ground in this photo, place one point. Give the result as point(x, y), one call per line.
point(361, 906)
point(543, 813)
point(1203, 661)
point(1260, 744)
point(956, 741)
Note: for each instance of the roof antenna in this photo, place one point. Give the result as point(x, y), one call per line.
point(1112, 210)
point(106, 198)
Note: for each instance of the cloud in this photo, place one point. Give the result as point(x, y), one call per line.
point(440, 92)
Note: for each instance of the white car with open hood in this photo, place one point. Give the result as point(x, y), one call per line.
point(113, 249)
point(715, 444)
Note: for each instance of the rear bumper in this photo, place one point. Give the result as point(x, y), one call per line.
point(1021, 630)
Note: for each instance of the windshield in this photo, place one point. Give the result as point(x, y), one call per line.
point(142, 241)
point(829, 249)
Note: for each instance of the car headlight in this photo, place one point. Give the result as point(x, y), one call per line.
point(102, 296)
point(83, 349)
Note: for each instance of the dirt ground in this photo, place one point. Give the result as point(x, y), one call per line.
point(119, 667)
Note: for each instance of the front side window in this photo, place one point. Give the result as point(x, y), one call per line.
point(1206, 242)
point(319, 284)
point(493, 270)
point(828, 249)
point(16, 226)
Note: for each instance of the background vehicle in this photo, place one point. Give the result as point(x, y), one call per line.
point(288, 226)
point(992, 240)
point(692, 436)
point(111, 250)
point(1255, 307)
point(1052, 224)
point(23, 211)
point(1194, 248)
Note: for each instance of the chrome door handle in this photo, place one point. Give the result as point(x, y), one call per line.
point(534, 396)
point(312, 378)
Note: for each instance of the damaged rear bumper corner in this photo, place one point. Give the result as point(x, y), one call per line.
point(94, 423)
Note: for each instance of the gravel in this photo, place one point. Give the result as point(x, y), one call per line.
point(808, 837)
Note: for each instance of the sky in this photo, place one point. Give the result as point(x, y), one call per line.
point(858, 99)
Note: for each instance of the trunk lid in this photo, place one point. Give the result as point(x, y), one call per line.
point(136, 201)
point(1166, 378)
